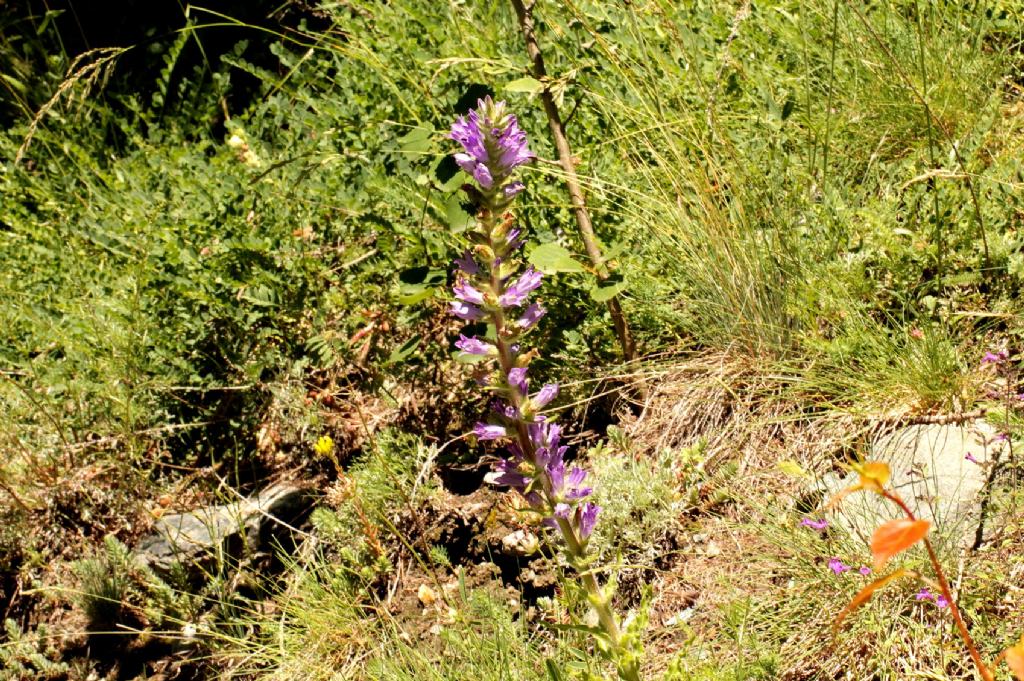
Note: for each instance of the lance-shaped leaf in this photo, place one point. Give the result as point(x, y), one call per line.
point(895, 536)
point(865, 594)
point(1015, 659)
point(873, 477)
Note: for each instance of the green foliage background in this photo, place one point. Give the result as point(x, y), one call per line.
point(209, 214)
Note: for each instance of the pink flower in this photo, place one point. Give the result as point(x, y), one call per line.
point(924, 595)
point(814, 524)
point(970, 457)
point(941, 601)
point(865, 571)
point(995, 357)
point(837, 566)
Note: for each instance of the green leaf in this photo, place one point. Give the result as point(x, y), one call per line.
point(416, 141)
point(414, 293)
point(404, 350)
point(458, 219)
point(551, 258)
point(529, 85)
point(602, 294)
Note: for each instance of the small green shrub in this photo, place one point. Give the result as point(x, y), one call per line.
point(30, 655)
point(641, 499)
point(115, 591)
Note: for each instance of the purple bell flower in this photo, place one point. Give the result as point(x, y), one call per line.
point(515, 295)
point(531, 315)
point(467, 264)
point(470, 313)
point(509, 473)
point(465, 292)
point(475, 346)
point(517, 379)
point(587, 518)
point(489, 431)
point(545, 395)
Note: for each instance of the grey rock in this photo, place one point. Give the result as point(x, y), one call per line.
point(932, 474)
point(195, 538)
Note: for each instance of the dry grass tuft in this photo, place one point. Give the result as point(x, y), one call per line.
point(743, 411)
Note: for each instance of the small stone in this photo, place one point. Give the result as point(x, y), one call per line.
point(680, 617)
point(520, 543)
point(713, 550)
point(198, 536)
point(426, 595)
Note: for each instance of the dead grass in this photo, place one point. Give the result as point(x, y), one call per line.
point(754, 585)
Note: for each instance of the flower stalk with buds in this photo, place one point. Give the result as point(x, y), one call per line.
point(492, 285)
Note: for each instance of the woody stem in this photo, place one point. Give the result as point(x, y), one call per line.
point(986, 673)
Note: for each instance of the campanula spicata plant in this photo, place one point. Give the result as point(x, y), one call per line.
point(493, 285)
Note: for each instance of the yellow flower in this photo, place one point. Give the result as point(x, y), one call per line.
point(324, 446)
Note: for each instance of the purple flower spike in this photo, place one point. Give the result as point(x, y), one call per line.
point(489, 431)
point(517, 379)
point(465, 292)
point(814, 524)
point(489, 127)
point(515, 295)
point(587, 514)
point(837, 566)
point(467, 264)
point(493, 285)
point(545, 395)
point(530, 316)
point(470, 313)
point(475, 346)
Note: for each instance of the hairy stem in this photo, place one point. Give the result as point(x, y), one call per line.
point(575, 545)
